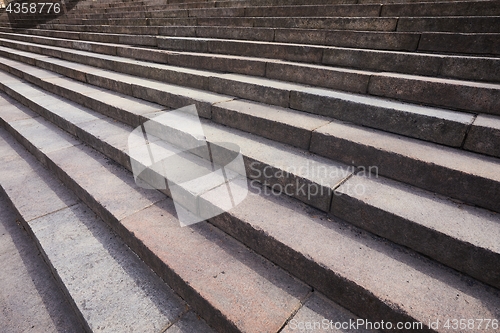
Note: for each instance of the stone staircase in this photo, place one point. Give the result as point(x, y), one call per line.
point(370, 135)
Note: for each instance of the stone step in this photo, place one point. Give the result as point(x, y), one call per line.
point(264, 160)
point(110, 288)
point(456, 94)
point(337, 259)
point(311, 100)
point(430, 124)
point(232, 287)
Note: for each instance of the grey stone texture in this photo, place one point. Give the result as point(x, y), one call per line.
point(314, 94)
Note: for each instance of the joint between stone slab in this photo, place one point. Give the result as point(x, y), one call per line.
point(342, 182)
point(312, 132)
point(178, 319)
point(467, 130)
point(368, 84)
point(396, 27)
point(55, 211)
point(418, 42)
point(298, 308)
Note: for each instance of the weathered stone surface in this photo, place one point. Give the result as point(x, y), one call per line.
point(189, 323)
point(168, 13)
point(183, 44)
point(189, 31)
point(111, 287)
point(95, 269)
point(300, 53)
point(217, 12)
point(137, 40)
point(46, 195)
point(27, 130)
point(96, 172)
point(158, 56)
point(335, 23)
point(373, 40)
point(255, 91)
point(12, 110)
point(384, 61)
point(245, 33)
point(404, 274)
point(441, 9)
point(471, 68)
point(211, 269)
point(302, 36)
point(218, 63)
point(177, 97)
